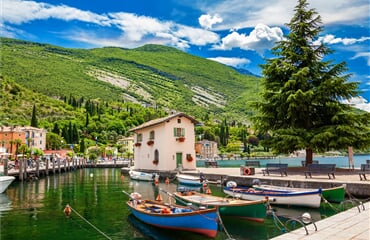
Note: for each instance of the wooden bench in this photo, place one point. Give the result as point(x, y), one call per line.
point(252, 164)
point(313, 161)
point(320, 168)
point(276, 167)
point(365, 168)
point(211, 163)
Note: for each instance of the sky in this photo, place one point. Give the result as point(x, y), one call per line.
point(239, 33)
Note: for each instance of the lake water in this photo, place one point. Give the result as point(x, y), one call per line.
point(341, 162)
point(34, 210)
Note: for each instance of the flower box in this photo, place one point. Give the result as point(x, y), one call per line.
point(190, 159)
point(150, 142)
point(181, 139)
point(155, 162)
point(137, 144)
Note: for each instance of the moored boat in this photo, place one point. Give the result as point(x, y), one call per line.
point(5, 181)
point(176, 217)
point(190, 179)
point(227, 207)
point(333, 194)
point(143, 176)
point(303, 198)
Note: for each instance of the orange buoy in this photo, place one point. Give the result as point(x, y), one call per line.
point(204, 184)
point(67, 210)
point(167, 181)
point(208, 191)
point(122, 177)
point(156, 181)
point(159, 198)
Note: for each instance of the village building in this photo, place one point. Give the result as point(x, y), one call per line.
point(165, 144)
point(206, 149)
point(127, 146)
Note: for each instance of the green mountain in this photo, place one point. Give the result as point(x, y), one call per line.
point(151, 75)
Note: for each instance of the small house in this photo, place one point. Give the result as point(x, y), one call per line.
point(165, 144)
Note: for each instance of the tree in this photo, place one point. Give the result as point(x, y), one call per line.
point(34, 122)
point(301, 104)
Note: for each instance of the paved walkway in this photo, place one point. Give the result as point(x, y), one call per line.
point(347, 225)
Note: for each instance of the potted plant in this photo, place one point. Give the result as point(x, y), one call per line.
point(155, 162)
point(189, 158)
point(181, 139)
point(137, 144)
point(150, 142)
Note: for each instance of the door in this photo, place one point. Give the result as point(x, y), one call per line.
point(179, 159)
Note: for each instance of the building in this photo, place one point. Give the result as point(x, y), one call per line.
point(206, 149)
point(8, 138)
point(127, 146)
point(165, 144)
point(35, 137)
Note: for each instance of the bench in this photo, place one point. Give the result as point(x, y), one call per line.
point(320, 168)
point(313, 161)
point(365, 168)
point(211, 163)
point(276, 167)
point(252, 164)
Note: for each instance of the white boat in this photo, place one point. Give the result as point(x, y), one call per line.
point(302, 198)
point(143, 176)
point(5, 181)
point(190, 179)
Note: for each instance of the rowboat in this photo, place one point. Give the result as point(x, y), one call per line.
point(333, 194)
point(303, 198)
point(202, 221)
point(5, 181)
point(190, 179)
point(227, 207)
point(143, 176)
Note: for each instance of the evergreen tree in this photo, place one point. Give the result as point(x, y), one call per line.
point(302, 94)
point(34, 122)
point(56, 129)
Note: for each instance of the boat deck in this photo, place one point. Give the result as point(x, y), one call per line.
point(350, 224)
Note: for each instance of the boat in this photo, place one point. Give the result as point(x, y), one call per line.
point(156, 213)
point(333, 194)
point(143, 176)
point(227, 207)
point(190, 179)
point(5, 181)
point(310, 199)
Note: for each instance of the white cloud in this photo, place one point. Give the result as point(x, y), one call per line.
point(365, 55)
point(331, 39)
point(233, 61)
point(360, 103)
point(18, 12)
point(260, 39)
point(207, 21)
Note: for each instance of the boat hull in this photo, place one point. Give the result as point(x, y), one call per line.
point(142, 176)
point(5, 181)
point(248, 210)
point(189, 180)
point(202, 222)
point(334, 194)
point(310, 199)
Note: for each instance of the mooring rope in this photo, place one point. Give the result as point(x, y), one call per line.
point(223, 226)
point(102, 233)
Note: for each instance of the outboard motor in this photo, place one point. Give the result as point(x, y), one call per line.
point(202, 177)
point(153, 176)
point(256, 182)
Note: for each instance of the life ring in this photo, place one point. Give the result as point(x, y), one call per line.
point(250, 190)
point(247, 171)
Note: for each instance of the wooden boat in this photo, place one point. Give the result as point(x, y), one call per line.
point(5, 181)
point(190, 179)
point(143, 176)
point(303, 198)
point(227, 207)
point(176, 217)
point(333, 194)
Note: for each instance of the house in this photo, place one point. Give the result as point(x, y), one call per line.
point(35, 137)
point(127, 146)
point(206, 149)
point(8, 138)
point(165, 144)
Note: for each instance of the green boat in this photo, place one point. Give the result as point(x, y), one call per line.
point(227, 207)
point(333, 194)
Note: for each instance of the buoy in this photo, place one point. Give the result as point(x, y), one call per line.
point(122, 177)
point(208, 191)
point(67, 210)
point(167, 181)
point(159, 198)
point(204, 184)
point(156, 181)
point(91, 175)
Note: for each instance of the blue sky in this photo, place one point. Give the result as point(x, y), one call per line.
point(239, 33)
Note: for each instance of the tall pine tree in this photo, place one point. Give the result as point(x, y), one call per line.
point(34, 122)
point(301, 104)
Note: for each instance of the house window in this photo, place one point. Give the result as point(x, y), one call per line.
point(139, 137)
point(179, 120)
point(179, 132)
point(151, 135)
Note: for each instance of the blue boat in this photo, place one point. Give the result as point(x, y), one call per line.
point(203, 221)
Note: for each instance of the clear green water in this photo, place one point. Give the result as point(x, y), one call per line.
point(34, 210)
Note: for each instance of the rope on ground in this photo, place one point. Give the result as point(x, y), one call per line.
point(102, 233)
